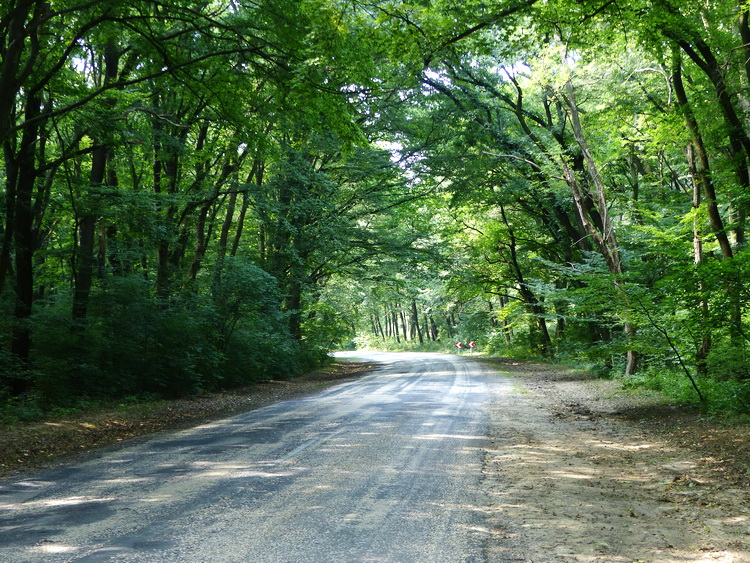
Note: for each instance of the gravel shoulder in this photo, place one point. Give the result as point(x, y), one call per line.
point(583, 470)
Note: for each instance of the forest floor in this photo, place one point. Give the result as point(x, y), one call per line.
point(579, 468)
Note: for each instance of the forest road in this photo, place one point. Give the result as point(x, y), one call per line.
point(386, 468)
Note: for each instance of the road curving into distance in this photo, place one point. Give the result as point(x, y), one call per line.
point(386, 468)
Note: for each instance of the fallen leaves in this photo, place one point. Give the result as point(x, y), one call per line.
point(30, 445)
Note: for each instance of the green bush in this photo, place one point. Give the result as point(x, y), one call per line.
point(728, 361)
point(721, 396)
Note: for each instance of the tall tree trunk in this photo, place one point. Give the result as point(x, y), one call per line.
point(526, 293)
point(11, 182)
point(704, 348)
point(256, 175)
point(85, 261)
point(240, 226)
point(204, 227)
point(201, 242)
point(434, 329)
point(380, 328)
point(602, 234)
point(394, 322)
point(702, 166)
point(404, 328)
point(224, 237)
point(227, 225)
point(703, 177)
point(739, 141)
point(415, 320)
point(87, 222)
point(115, 257)
point(24, 246)
point(702, 55)
point(165, 171)
point(13, 70)
point(744, 25)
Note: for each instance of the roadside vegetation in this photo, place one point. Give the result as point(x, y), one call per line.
point(65, 433)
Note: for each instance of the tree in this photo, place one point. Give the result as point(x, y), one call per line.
point(517, 173)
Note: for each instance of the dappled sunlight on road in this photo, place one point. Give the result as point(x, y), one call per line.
point(53, 503)
point(55, 549)
point(384, 469)
point(481, 439)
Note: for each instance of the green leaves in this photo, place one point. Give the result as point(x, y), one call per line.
point(278, 167)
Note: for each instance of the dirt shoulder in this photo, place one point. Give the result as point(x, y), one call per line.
point(31, 446)
point(583, 470)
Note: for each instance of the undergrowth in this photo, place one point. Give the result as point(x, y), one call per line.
point(729, 397)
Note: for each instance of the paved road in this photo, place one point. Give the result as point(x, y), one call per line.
point(386, 468)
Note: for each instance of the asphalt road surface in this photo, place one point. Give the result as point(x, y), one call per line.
point(386, 468)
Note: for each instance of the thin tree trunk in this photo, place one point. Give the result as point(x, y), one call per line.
point(240, 225)
point(201, 242)
point(164, 182)
point(703, 177)
point(87, 222)
point(116, 259)
point(394, 321)
point(227, 225)
point(744, 26)
point(527, 295)
point(11, 181)
point(403, 323)
point(434, 329)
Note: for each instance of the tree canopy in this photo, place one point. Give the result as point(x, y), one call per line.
point(201, 195)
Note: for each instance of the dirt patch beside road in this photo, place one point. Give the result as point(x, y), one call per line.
point(582, 470)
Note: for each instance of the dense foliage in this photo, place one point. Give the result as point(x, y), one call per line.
point(200, 195)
